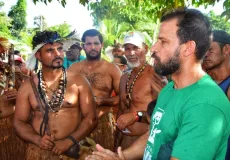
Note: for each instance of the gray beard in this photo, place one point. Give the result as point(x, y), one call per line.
point(133, 65)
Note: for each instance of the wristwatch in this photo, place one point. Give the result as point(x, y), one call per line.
point(140, 115)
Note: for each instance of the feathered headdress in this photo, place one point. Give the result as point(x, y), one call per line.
point(42, 38)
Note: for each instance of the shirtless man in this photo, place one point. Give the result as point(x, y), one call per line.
point(104, 77)
point(137, 89)
point(216, 61)
point(67, 114)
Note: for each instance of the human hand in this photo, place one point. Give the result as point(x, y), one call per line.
point(61, 146)
point(46, 142)
point(9, 95)
point(105, 154)
point(125, 120)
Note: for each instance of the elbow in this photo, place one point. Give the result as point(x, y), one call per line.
point(94, 122)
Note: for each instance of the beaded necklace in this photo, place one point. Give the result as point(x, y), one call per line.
point(57, 98)
point(129, 89)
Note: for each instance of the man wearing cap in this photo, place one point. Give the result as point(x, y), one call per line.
point(73, 55)
point(104, 77)
point(217, 60)
point(138, 88)
point(192, 112)
point(54, 111)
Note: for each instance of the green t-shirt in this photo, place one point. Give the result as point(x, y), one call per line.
point(196, 118)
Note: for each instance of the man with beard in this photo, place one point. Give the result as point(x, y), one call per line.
point(104, 77)
point(54, 111)
point(136, 95)
point(216, 61)
point(192, 112)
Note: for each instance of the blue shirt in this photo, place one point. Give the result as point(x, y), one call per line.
point(67, 63)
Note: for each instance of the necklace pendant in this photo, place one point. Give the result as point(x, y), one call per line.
point(129, 95)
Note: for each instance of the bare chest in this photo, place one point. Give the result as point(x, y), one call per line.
point(98, 79)
point(139, 92)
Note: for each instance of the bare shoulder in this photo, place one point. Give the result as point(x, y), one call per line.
point(112, 68)
point(150, 70)
point(77, 79)
point(25, 88)
point(74, 68)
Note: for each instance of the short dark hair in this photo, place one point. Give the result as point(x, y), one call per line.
point(221, 37)
point(92, 33)
point(122, 59)
point(45, 37)
point(192, 26)
point(16, 52)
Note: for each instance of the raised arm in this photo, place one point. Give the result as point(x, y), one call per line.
point(88, 109)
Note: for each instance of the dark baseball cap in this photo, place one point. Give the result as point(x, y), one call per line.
point(221, 36)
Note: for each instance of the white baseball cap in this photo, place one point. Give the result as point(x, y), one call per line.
point(136, 38)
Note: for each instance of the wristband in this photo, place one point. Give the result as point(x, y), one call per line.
point(72, 139)
point(136, 116)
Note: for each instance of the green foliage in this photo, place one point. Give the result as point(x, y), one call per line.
point(63, 2)
point(218, 22)
point(5, 23)
point(40, 22)
point(62, 29)
point(18, 15)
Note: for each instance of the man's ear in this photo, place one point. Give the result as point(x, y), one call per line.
point(190, 48)
point(38, 56)
point(226, 49)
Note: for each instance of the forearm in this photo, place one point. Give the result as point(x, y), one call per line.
point(26, 132)
point(110, 101)
point(86, 127)
point(136, 150)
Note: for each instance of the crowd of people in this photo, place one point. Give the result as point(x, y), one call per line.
point(75, 107)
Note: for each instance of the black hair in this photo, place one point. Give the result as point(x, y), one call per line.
point(16, 52)
point(122, 59)
point(92, 33)
point(45, 37)
point(192, 26)
point(221, 37)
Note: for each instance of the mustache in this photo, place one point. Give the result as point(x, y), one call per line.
point(155, 56)
point(93, 51)
point(57, 58)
